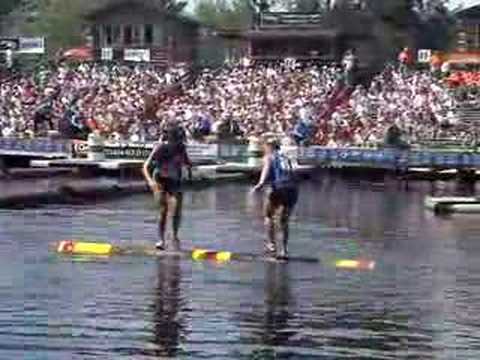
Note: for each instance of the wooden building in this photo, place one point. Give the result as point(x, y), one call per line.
point(468, 29)
point(297, 35)
point(140, 31)
point(316, 36)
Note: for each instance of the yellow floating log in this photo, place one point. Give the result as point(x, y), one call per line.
point(202, 255)
point(355, 264)
point(223, 256)
point(84, 248)
point(199, 254)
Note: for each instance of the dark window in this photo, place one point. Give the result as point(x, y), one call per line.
point(127, 35)
point(136, 34)
point(116, 34)
point(108, 35)
point(149, 34)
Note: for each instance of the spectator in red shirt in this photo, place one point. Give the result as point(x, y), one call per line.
point(405, 59)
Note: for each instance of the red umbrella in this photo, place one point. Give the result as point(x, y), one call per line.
point(79, 54)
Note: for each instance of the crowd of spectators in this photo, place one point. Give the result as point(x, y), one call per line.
point(247, 100)
point(77, 99)
point(301, 103)
point(413, 103)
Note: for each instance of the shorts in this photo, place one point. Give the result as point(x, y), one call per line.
point(285, 198)
point(169, 186)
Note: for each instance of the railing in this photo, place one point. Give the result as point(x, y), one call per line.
point(387, 158)
point(284, 19)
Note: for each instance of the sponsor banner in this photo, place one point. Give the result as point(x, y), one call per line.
point(34, 45)
point(107, 54)
point(127, 152)
point(142, 151)
point(79, 148)
point(388, 157)
point(385, 158)
point(424, 56)
point(203, 151)
point(33, 147)
point(232, 151)
point(136, 55)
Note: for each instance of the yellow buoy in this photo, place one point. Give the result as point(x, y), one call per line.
point(84, 248)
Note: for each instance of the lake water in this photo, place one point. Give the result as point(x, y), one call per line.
point(421, 302)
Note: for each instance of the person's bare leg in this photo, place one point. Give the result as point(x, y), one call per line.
point(270, 241)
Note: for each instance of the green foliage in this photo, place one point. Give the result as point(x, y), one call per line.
point(60, 21)
point(6, 6)
point(224, 14)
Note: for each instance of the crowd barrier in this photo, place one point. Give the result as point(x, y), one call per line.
point(35, 147)
point(389, 158)
point(315, 155)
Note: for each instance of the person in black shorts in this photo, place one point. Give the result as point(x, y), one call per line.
point(282, 198)
point(163, 172)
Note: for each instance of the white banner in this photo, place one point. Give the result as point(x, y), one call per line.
point(31, 45)
point(424, 55)
point(203, 151)
point(136, 55)
point(107, 54)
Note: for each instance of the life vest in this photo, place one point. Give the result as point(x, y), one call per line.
point(281, 173)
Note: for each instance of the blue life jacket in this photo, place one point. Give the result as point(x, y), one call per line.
point(281, 172)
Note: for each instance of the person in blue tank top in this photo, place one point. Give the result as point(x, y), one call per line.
point(278, 173)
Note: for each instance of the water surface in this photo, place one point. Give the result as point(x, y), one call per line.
point(421, 302)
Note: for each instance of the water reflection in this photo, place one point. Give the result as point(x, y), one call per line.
point(169, 325)
point(271, 324)
point(278, 300)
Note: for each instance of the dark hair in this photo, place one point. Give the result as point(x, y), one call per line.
point(274, 143)
point(174, 134)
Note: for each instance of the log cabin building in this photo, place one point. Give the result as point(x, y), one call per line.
point(134, 31)
point(468, 29)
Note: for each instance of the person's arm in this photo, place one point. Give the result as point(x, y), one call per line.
point(264, 175)
point(146, 173)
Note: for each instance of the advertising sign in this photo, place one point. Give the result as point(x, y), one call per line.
point(40, 147)
point(31, 45)
point(424, 56)
point(107, 54)
point(136, 55)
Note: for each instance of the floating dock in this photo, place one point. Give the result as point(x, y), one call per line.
point(465, 205)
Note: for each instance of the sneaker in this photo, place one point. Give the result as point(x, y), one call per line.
point(282, 257)
point(160, 246)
